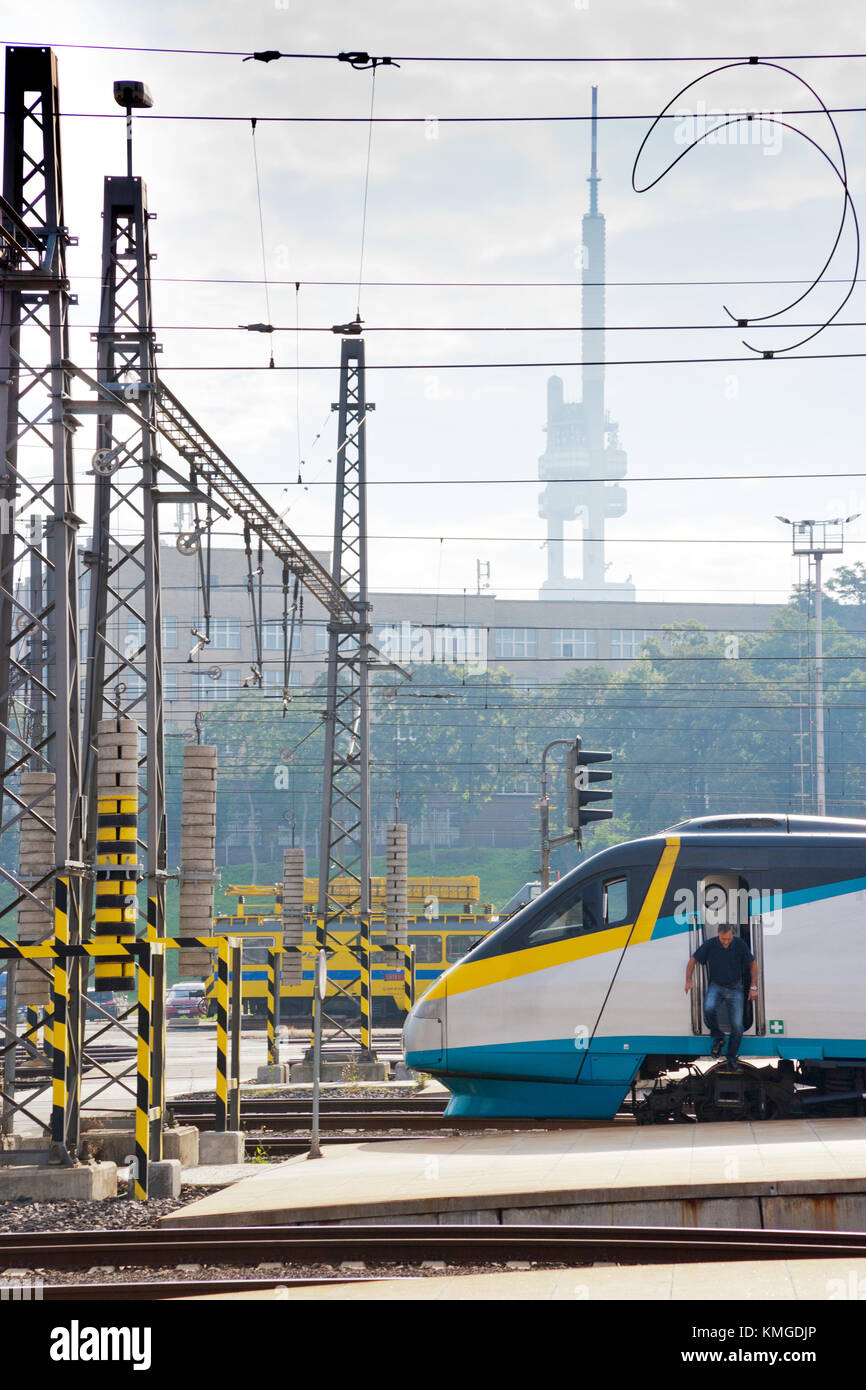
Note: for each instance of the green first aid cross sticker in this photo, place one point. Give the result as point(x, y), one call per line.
point(777, 1025)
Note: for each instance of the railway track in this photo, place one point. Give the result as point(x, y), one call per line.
point(402, 1122)
point(354, 1117)
point(383, 1246)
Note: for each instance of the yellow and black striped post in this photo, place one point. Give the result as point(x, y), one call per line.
point(143, 1080)
point(274, 973)
point(46, 1031)
point(408, 954)
point(116, 885)
point(59, 1005)
point(366, 993)
point(157, 1032)
point(321, 938)
point(222, 1035)
point(233, 1081)
point(157, 1050)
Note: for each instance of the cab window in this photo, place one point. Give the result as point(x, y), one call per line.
point(456, 947)
point(615, 901)
point(428, 949)
point(574, 914)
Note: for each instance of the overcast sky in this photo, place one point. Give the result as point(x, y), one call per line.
point(458, 202)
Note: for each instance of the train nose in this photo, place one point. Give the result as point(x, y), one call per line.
point(424, 1034)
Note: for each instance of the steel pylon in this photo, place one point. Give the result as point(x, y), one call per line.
point(344, 845)
point(39, 653)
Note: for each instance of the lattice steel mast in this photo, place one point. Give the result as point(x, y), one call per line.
point(34, 387)
point(344, 846)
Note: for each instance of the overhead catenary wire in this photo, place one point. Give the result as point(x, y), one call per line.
point(839, 170)
point(493, 327)
point(477, 284)
point(262, 239)
point(366, 190)
point(550, 119)
point(521, 365)
point(272, 54)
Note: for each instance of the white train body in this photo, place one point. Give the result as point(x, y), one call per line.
point(562, 1008)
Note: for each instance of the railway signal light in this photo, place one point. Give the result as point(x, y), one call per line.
point(584, 791)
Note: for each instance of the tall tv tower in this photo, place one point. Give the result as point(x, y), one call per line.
point(582, 442)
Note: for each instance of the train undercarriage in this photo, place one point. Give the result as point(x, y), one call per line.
point(685, 1093)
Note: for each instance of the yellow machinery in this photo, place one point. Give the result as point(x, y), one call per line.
point(449, 921)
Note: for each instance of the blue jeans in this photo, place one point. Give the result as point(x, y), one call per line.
point(733, 996)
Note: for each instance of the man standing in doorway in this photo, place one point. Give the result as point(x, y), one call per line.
point(726, 958)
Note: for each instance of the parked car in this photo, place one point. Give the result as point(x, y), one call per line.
point(186, 999)
point(104, 1001)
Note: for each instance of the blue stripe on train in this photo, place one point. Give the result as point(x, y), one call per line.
point(551, 1077)
point(669, 926)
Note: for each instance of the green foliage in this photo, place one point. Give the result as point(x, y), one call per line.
point(700, 723)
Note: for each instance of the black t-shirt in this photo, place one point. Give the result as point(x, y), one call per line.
point(725, 964)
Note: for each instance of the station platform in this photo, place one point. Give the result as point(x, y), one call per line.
point(786, 1281)
point(797, 1174)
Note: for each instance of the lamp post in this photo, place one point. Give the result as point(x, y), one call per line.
point(131, 96)
point(815, 539)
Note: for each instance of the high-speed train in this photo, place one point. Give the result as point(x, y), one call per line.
point(580, 995)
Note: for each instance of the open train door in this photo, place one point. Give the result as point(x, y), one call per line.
point(729, 899)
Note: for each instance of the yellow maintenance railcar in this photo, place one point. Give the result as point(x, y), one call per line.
point(447, 920)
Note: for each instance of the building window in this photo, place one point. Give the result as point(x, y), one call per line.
point(625, 643)
point(273, 637)
point(169, 685)
point(515, 642)
point(461, 646)
point(320, 637)
point(273, 677)
point(569, 643)
point(225, 633)
point(228, 687)
point(169, 632)
point(524, 682)
point(203, 688)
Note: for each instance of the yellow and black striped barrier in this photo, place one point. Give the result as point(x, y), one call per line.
point(143, 1075)
point(274, 978)
point(366, 951)
point(229, 997)
point(221, 1122)
point(116, 885)
point(59, 1009)
point(236, 991)
point(408, 955)
point(146, 957)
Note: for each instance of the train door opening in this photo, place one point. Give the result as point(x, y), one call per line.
point(728, 899)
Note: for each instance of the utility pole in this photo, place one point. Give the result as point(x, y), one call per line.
point(124, 646)
point(34, 389)
point(344, 844)
point(815, 539)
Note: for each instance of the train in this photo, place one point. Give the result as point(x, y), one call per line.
point(447, 920)
point(577, 1006)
